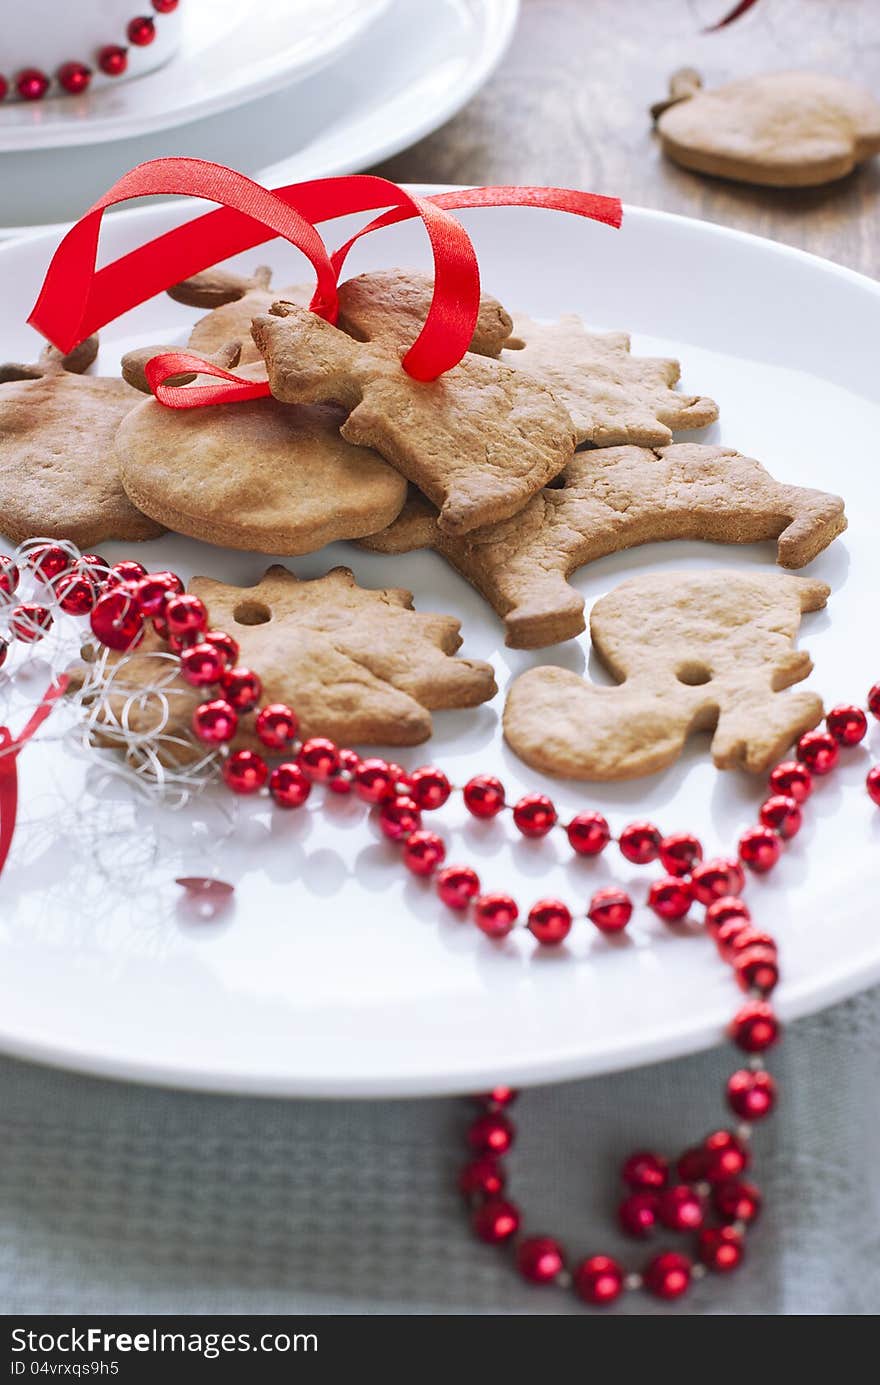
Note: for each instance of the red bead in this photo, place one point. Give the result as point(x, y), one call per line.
point(482, 1177)
point(757, 969)
point(4, 650)
point(30, 622)
point(429, 787)
point(610, 909)
point(534, 815)
point(640, 842)
point(224, 643)
point(319, 759)
point(423, 853)
point(241, 686)
point(495, 914)
point(484, 796)
point(245, 771)
point(598, 1280)
point(141, 31)
point(782, 814)
point(156, 588)
point(74, 77)
point(668, 1275)
point(126, 571)
point(540, 1259)
point(495, 1221)
point(747, 939)
point(760, 848)
point(874, 700)
point(751, 1095)
point(201, 665)
point(736, 1201)
point(457, 886)
point(288, 785)
point(792, 780)
point(178, 643)
point(117, 620)
point(398, 817)
point(755, 1027)
point(872, 783)
point(721, 910)
point(185, 614)
point(670, 898)
point(681, 1209)
point(549, 921)
point(9, 575)
point(215, 722)
point(276, 724)
point(492, 1133)
point(691, 1165)
point(499, 1096)
point(49, 560)
point(637, 1214)
point(680, 853)
point(4, 87)
point(164, 6)
point(726, 1156)
point(720, 1248)
point(588, 834)
point(819, 751)
point(113, 60)
point(349, 762)
point(645, 1171)
point(716, 878)
point(76, 593)
point(847, 724)
point(31, 84)
point(374, 781)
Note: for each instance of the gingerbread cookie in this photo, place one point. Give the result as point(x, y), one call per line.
point(234, 301)
point(392, 304)
point(479, 441)
point(781, 129)
point(360, 666)
point(58, 472)
point(261, 475)
point(612, 396)
point(608, 500)
point(692, 651)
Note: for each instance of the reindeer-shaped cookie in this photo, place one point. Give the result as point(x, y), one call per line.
point(692, 651)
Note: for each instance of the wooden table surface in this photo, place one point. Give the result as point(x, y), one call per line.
point(569, 105)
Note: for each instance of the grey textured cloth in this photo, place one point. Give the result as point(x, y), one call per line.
point(118, 1199)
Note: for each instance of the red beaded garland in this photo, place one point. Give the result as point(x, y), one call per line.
point(126, 571)
point(720, 911)
point(645, 1171)
point(496, 1220)
point(756, 969)
point(457, 886)
point(720, 1248)
point(319, 759)
point(4, 650)
point(668, 1275)
point(549, 922)
point(141, 31)
point(874, 700)
point(588, 834)
point(782, 814)
point(288, 785)
point(241, 686)
point(792, 780)
point(726, 1156)
point(610, 909)
point(30, 622)
point(201, 665)
point(495, 914)
point(185, 614)
point(4, 87)
point(736, 1201)
point(640, 842)
point(499, 1096)
point(342, 783)
point(374, 781)
point(819, 751)
point(534, 815)
point(691, 1165)
point(872, 783)
point(215, 722)
point(755, 1027)
point(680, 853)
point(491, 1133)
point(224, 643)
point(398, 817)
point(74, 77)
point(751, 1095)
point(598, 1280)
point(155, 590)
point(113, 59)
point(164, 6)
point(540, 1259)
point(76, 594)
point(670, 897)
point(484, 796)
point(727, 933)
point(637, 1214)
point(760, 848)
point(429, 787)
point(483, 1177)
point(681, 1209)
point(716, 878)
point(31, 84)
point(9, 575)
point(245, 771)
point(48, 561)
point(847, 724)
point(276, 724)
point(423, 852)
point(117, 619)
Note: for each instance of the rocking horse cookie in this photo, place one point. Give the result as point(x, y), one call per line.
point(692, 651)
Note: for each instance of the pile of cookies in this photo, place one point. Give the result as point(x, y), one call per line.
point(547, 447)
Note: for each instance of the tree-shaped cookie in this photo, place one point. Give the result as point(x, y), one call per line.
point(479, 441)
point(58, 471)
point(360, 666)
point(613, 397)
point(261, 475)
point(233, 301)
point(708, 651)
point(779, 129)
point(611, 499)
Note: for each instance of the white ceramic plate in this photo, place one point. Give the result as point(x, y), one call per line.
point(228, 54)
point(408, 73)
point(335, 974)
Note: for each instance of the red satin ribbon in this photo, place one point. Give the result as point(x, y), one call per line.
point(76, 298)
point(10, 748)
